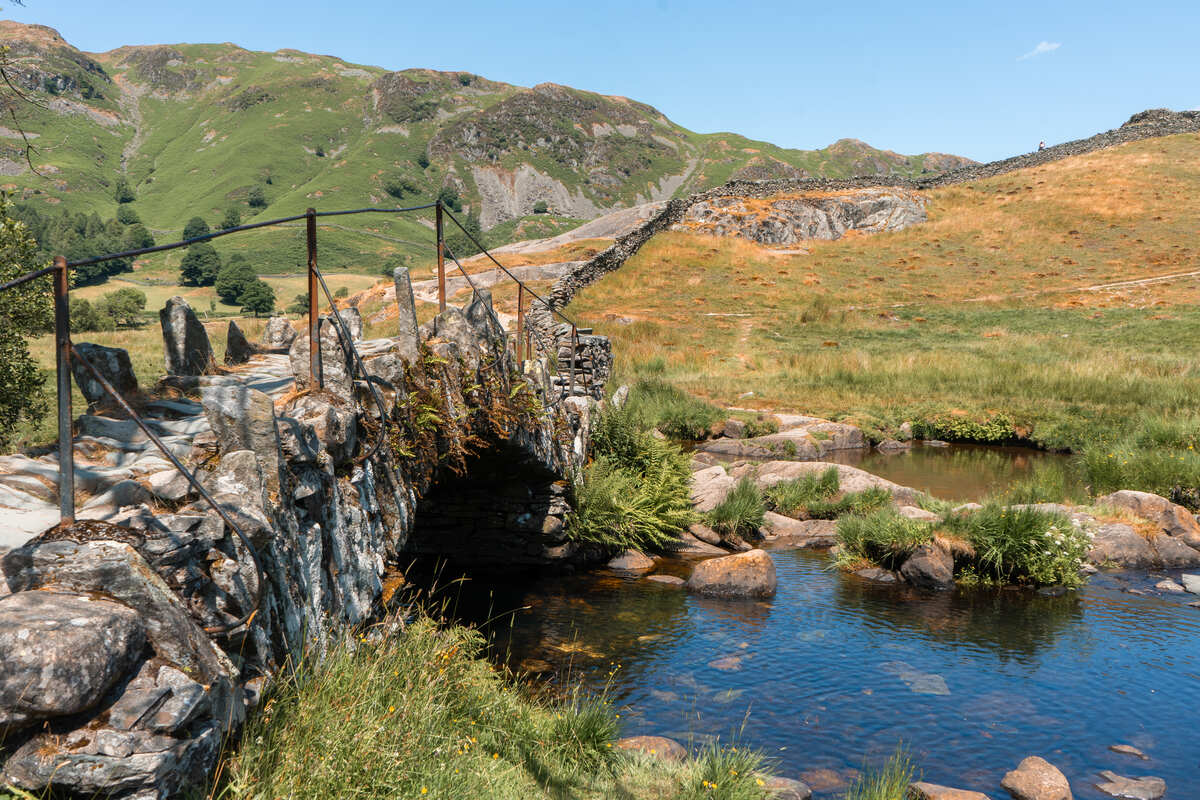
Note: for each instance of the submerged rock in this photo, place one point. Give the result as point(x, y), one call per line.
point(631, 561)
point(750, 574)
point(1129, 750)
point(668, 580)
point(787, 789)
point(657, 746)
point(1145, 788)
point(1035, 778)
point(932, 791)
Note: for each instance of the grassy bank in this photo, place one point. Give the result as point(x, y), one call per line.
point(419, 714)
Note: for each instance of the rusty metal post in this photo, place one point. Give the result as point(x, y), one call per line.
point(520, 320)
point(314, 334)
point(62, 349)
point(574, 351)
point(441, 260)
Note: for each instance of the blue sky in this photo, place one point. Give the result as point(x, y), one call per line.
point(985, 80)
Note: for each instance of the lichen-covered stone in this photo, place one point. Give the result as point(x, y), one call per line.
point(278, 335)
point(188, 351)
point(112, 363)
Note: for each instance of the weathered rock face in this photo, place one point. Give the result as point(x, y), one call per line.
point(278, 335)
point(62, 652)
point(789, 219)
point(710, 487)
point(803, 438)
point(188, 351)
point(111, 362)
point(244, 419)
point(333, 369)
point(1174, 520)
point(780, 532)
point(932, 791)
point(238, 349)
point(1037, 779)
point(929, 567)
point(749, 574)
point(352, 319)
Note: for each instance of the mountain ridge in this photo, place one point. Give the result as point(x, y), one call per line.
point(194, 128)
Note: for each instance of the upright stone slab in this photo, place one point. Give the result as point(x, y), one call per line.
point(244, 419)
point(353, 320)
point(334, 371)
point(279, 335)
point(111, 362)
point(407, 340)
point(188, 351)
point(238, 349)
point(482, 316)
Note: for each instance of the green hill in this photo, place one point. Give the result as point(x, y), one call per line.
point(197, 129)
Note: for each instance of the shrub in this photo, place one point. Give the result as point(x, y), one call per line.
point(232, 219)
point(448, 196)
point(196, 226)
point(343, 291)
point(200, 265)
point(84, 317)
point(137, 237)
point(996, 428)
point(24, 311)
point(1023, 545)
point(127, 216)
point(883, 537)
point(124, 306)
point(299, 305)
point(422, 160)
point(540, 207)
point(459, 243)
point(122, 193)
point(741, 512)
point(465, 78)
point(794, 496)
point(400, 187)
point(256, 197)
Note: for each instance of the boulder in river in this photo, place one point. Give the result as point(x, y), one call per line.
point(932, 791)
point(1035, 778)
point(1145, 788)
point(930, 566)
point(749, 574)
point(657, 746)
point(782, 532)
point(1191, 583)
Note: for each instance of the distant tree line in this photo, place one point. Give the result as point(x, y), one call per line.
point(234, 280)
point(120, 309)
point(78, 237)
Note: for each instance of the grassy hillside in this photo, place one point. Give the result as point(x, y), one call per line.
point(196, 129)
point(979, 315)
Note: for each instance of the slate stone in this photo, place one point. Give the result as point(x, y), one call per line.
point(1144, 788)
point(112, 363)
point(62, 653)
point(408, 340)
point(238, 349)
point(278, 335)
point(186, 345)
point(244, 419)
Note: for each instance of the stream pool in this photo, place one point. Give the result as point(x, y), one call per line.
point(835, 671)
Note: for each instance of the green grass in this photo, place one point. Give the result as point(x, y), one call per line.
point(883, 538)
point(741, 512)
point(1022, 545)
point(419, 714)
point(887, 782)
point(792, 497)
point(654, 403)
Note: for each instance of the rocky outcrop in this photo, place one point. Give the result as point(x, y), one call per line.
point(850, 479)
point(749, 574)
point(802, 438)
point(112, 363)
point(789, 219)
point(278, 335)
point(1172, 519)
point(185, 341)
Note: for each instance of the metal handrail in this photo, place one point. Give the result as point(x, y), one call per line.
point(65, 350)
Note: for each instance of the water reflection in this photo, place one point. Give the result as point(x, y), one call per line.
point(834, 670)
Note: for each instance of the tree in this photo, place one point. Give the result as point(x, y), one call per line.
point(84, 316)
point(299, 305)
point(137, 237)
point(200, 265)
point(423, 161)
point(196, 226)
point(448, 196)
point(400, 187)
point(258, 297)
point(127, 216)
point(123, 193)
point(540, 207)
point(24, 311)
point(124, 306)
point(232, 219)
point(257, 198)
point(343, 291)
point(233, 278)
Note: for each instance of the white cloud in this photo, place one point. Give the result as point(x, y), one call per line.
point(1041, 49)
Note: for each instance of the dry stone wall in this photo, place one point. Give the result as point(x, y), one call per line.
point(1144, 125)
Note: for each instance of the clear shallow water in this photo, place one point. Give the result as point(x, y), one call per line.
point(835, 671)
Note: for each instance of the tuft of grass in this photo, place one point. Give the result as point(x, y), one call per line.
point(654, 403)
point(793, 496)
point(888, 782)
point(883, 537)
point(1022, 545)
point(741, 512)
point(1127, 465)
point(1046, 483)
